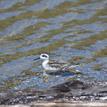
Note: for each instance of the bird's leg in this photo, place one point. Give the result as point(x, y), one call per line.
point(44, 73)
point(45, 76)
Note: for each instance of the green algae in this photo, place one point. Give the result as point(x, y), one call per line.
point(45, 13)
point(91, 40)
point(1, 53)
point(76, 60)
point(89, 60)
point(83, 2)
point(101, 53)
point(83, 31)
point(58, 10)
point(9, 21)
point(62, 8)
point(56, 31)
point(44, 38)
point(20, 5)
point(47, 49)
point(51, 33)
point(27, 31)
point(101, 12)
point(93, 19)
point(30, 73)
point(80, 22)
point(6, 23)
point(9, 84)
point(97, 67)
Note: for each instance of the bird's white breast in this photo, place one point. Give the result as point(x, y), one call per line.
point(46, 66)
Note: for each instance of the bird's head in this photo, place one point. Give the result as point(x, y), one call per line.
point(43, 56)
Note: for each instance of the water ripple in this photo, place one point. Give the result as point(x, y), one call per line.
point(74, 31)
point(8, 3)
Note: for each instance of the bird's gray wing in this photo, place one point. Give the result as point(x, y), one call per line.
point(56, 62)
point(58, 65)
point(55, 65)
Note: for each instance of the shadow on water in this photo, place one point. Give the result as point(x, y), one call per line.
point(74, 31)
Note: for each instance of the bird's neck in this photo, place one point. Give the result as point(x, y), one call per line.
point(45, 63)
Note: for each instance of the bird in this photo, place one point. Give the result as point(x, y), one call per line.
point(53, 66)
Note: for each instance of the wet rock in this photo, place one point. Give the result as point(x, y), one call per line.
point(67, 92)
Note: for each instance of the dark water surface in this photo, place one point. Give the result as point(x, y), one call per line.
point(68, 30)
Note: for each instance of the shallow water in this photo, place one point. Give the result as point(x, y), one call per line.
point(68, 30)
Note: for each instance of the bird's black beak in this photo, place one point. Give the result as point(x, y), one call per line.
point(37, 58)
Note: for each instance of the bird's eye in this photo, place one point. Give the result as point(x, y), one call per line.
point(44, 56)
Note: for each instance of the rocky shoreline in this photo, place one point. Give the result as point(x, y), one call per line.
point(71, 91)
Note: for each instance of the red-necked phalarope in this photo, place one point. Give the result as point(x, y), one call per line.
point(54, 66)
